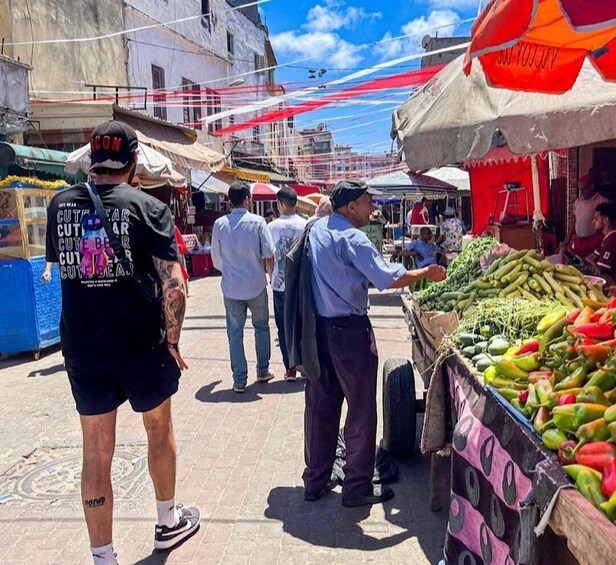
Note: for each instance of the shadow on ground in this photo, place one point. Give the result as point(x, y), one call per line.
point(13, 359)
point(254, 391)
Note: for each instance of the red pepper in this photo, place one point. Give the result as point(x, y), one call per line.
point(596, 454)
point(528, 347)
point(523, 396)
point(567, 399)
point(608, 484)
point(608, 343)
point(589, 341)
point(611, 304)
point(593, 354)
point(607, 316)
point(574, 314)
point(596, 317)
point(596, 331)
point(565, 452)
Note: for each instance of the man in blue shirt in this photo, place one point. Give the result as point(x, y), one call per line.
point(343, 263)
point(240, 243)
point(423, 249)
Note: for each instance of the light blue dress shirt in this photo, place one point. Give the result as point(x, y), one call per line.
point(240, 242)
point(344, 262)
point(427, 250)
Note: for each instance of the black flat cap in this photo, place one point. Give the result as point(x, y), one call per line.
point(348, 190)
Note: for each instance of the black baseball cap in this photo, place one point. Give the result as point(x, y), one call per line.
point(348, 190)
point(112, 145)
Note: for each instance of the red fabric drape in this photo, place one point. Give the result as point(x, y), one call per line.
point(411, 78)
point(304, 189)
point(488, 180)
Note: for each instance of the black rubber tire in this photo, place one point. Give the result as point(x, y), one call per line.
point(399, 413)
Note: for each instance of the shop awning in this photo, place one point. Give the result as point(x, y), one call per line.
point(250, 175)
point(186, 155)
point(34, 158)
point(206, 182)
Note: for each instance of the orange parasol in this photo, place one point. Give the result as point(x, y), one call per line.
point(540, 45)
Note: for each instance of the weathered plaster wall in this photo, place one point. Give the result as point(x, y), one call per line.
point(65, 66)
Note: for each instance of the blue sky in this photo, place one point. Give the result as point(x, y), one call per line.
point(344, 36)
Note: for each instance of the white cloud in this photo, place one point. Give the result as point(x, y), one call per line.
point(443, 21)
point(459, 5)
point(326, 47)
point(334, 15)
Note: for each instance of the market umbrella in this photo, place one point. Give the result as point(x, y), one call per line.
point(457, 118)
point(452, 175)
point(541, 45)
point(263, 191)
point(411, 185)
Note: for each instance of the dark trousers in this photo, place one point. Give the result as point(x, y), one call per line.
point(349, 363)
point(279, 317)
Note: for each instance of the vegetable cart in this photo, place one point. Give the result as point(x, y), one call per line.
point(510, 500)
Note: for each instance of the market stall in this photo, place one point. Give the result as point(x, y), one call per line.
point(516, 352)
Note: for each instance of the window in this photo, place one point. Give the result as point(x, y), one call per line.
point(259, 63)
point(205, 13)
point(192, 104)
point(230, 46)
point(231, 119)
point(159, 97)
point(255, 134)
point(213, 103)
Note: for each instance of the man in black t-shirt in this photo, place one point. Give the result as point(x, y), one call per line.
point(118, 345)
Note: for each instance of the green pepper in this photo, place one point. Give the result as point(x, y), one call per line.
point(570, 417)
point(609, 508)
point(508, 393)
point(610, 414)
point(596, 430)
point(593, 395)
point(549, 320)
point(611, 395)
point(500, 382)
point(553, 439)
point(575, 379)
point(588, 482)
point(604, 378)
point(553, 332)
point(612, 428)
point(506, 368)
point(525, 410)
point(542, 421)
point(554, 397)
point(528, 363)
point(543, 389)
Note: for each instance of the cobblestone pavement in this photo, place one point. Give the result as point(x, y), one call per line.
point(240, 461)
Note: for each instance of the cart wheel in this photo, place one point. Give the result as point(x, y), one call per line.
point(36, 355)
point(399, 411)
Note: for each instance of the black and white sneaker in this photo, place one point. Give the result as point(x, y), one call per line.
point(166, 538)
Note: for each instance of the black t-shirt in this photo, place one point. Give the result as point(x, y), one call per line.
point(103, 312)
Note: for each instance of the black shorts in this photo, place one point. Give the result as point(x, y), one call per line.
point(100, 385)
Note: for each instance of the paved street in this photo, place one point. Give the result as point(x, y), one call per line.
point(240, 461)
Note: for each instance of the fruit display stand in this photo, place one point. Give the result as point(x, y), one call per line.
point(504, 481)
point(29, 308)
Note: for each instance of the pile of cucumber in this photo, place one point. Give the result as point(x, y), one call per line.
point(482, 349)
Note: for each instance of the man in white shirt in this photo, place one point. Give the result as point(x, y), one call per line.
point(240, 243)
point(283, 231)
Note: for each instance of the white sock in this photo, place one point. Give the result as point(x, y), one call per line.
point(104, 555)
point(167, 513)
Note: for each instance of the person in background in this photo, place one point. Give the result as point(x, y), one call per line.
point(603, 260)
point(240, 243)
point(283, 230)
point(117, 344)
point(452, 232)
point(270, 216)
point(419, 214)
point(584, 239)
point(423, 250)
point(324, 208)
point(342, 264)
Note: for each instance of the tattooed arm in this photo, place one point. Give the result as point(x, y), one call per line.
point(174, 301)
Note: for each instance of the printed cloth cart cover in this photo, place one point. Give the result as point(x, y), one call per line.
point(502, 479)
